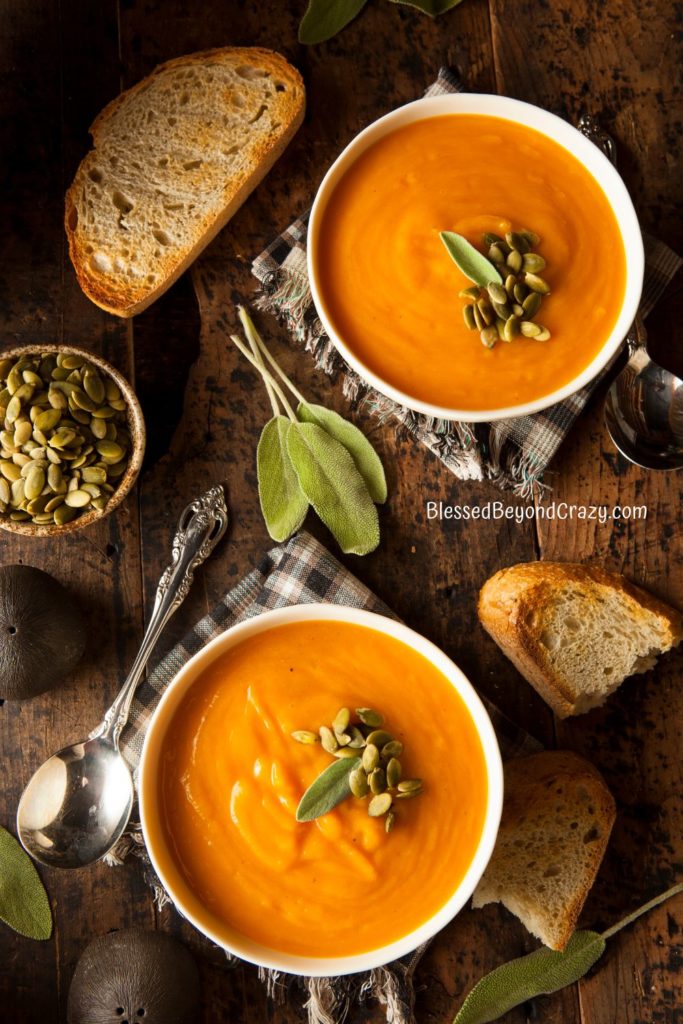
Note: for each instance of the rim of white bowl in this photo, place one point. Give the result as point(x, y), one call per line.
point(564, 134)
point(241, 946)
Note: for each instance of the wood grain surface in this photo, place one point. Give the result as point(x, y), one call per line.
point(61, 61)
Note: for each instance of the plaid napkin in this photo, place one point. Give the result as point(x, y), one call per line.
point(301, 571)
point(512, 453)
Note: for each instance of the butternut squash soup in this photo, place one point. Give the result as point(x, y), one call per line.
point(390, 291)
point(230, 778)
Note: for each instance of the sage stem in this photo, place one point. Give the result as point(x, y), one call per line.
point(253, 335)
point(266, 375)
point(269, 387)
point(673, 891)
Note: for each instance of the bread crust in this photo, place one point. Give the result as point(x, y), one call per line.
point(531, 780)
point(510, 597)
point(127, 299)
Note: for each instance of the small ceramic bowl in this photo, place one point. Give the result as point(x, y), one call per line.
point(174, 882)
point(136, 427)
point(585, 151)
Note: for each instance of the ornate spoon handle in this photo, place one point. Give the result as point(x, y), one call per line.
point(200, 527)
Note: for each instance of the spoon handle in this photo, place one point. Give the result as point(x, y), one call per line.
point(200, 527)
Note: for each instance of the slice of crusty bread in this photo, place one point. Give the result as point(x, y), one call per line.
point(557, 818)
point(575, 632)
point(174, 158)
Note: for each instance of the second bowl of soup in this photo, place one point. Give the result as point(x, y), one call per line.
point(235, 743)
point(387, 290)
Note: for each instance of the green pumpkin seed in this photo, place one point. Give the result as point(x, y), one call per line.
point(510, 282)
point(519, 292)
point(37, 505)
point(117, 469)
point(23, 432)
point(370, 759)
point(18, 493)
point(20, 516)
point(502, 310)
point(34, 483)
point(64, 514)
point(469, 293)
point(327, 738)
point(5, 491)
point(532, 304)
point(517, 241)
point(468, 317)
point(379, 737)
point(57, 399)
point(118, 404)
point(533, 263)
point(489, 336)
point(358, 783)
point(531, 237)
point(54, 503)
point(104, 412)
point(537, 284)
point(517, 310)
point(71, 362)
point(357, 738)
point(94, 475)
point(345, 752)
point(478, 318)
point(48, 419)
point(529, 329)
point(379, 805)
point(497, 293)
point(392, 749)
point(100, 503)
point(511, 329)
point(302, 735)
point(389, 822)
point(21, 459)
point(94, 387)
point(393, 773)
point(341, 721)
point(496, 254)
point(487, 313)
point(544, 335)
point(110, 451)
point(13, 410)
point(490, 238)
point(10, 470)
point(111, 390)
point(410, 785)
point(77, 498)
point(514, 261)
point(377, 780)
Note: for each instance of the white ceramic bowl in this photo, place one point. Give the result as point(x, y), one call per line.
point(593, 160)
point(181, 894)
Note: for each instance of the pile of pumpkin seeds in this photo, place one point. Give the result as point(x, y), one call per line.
point(503, 312)
point(379, 776)
point(64, 443)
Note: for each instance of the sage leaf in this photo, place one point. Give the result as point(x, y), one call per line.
point(334, 487)
point(468, 259)
point(431, 7)
point(328, 790)
point(365, 457)
point(543, 971)
point(324, 18)
point(24, 905)
point(283, 504)
point(540, 973)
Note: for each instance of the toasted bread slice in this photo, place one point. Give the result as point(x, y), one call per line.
point(557, 819)
point(174, 158)
point(575, 632)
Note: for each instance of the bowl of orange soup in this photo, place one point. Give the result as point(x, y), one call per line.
point(387, 291)
point(221, 778)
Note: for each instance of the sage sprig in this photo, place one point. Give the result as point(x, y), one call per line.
point(24, 905)
point(324, 18)
point(544, 971)
point(329, 789)
point(312, 457)
point(473, 264)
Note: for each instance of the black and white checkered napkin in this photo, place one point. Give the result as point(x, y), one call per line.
point(301, 571)
point(512, 453)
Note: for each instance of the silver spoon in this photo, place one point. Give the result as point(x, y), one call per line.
point(644, 405)
point(78, 803)
point(644, 409)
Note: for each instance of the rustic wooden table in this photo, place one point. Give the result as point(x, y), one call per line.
point(61, 62)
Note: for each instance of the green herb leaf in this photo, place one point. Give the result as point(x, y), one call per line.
point(365, 457)
point(431, 7)
point(283, 503)
point(328, 790)
point(324, 18)
point(540, 973)
point(334, 487)
point(469, 260)
point(24, 905)
point(543, 971)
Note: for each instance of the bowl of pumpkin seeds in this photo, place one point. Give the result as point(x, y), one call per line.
point(72, 439)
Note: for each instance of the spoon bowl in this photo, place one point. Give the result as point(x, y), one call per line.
point(78, 803)
point(644, 409)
